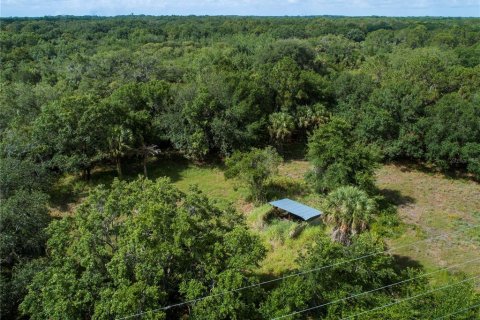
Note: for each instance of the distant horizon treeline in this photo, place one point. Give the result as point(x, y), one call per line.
point(218, 84)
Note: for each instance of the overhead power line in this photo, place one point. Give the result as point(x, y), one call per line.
point(410, 298)
point(457, 312)
point(374, 290)
point(292, 275)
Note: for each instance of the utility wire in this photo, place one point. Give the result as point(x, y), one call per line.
point(457, 312)
point(410, 298)
point(374, 290)
point(291, 275)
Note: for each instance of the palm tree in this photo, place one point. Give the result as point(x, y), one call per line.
point(310, 117)
point(350, 210)
point(281, 126)
point(119, 141)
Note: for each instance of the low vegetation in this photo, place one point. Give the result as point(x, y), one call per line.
point(254, 169)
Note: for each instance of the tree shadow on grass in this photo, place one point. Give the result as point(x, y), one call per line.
point(406, 262)
point(62, 195)
point(171, 168)
point(455, 173)
point(164, 166)
point(71, 188)
point(285, 188)
point(396, 197)
point(273, 280)
point(294, 151)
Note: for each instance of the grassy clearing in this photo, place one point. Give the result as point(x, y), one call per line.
point(183, 174)
point(208, 178)
point(428, 205)
point(283, 248)
point(286, 240)
point(434, 205)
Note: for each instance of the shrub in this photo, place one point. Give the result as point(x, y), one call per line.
point(254, 169)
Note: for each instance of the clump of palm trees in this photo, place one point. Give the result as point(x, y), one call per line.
point(350, 210)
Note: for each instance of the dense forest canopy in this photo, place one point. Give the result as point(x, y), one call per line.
point(230, 83)
point(79, 93)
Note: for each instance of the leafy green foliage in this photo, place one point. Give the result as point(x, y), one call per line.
point(338, 52)
point(141, 245)
point(453, 134)
point(67, 133)
point(350, 210)
point(287, 84)
point(281, 126)
point(254, 169)
point(335, 282)
point(213, 85)
point(339, 159)
point(21, 174)
point(23, 219)
point(338, 278)
point(310, 117)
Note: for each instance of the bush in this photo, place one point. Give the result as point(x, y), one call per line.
point(254, 169)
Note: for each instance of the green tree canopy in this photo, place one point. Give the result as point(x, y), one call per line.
point(339, 159)
point(23, 219)
point(452, 135)
point(335, 272)
point(335, 282)
point(68, 134)
point(139, 246)
point(281, 127)
point(135, 111)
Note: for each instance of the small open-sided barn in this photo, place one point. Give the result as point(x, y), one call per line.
point(297, 209)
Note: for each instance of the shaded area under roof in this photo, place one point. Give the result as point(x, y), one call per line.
point(296, 208)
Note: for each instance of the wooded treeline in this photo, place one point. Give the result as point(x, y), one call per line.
point(208, 85)
point(77, 93)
